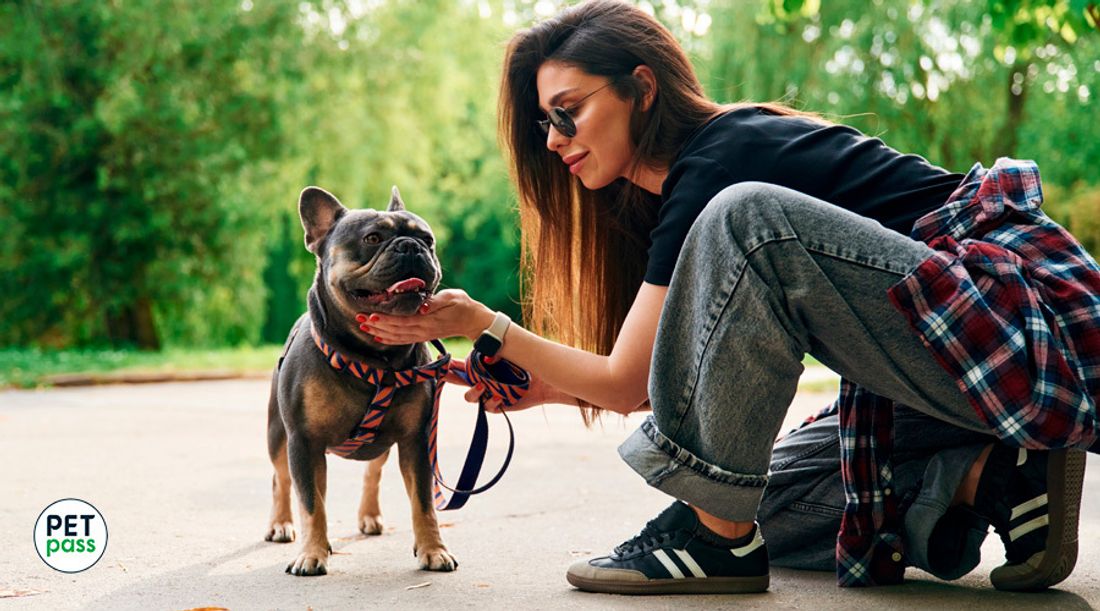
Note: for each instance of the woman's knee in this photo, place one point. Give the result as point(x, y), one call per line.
point(747, 209)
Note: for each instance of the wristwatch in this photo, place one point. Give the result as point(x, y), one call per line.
point(491, 339)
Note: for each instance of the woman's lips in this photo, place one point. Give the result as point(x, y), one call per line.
point(575, 161)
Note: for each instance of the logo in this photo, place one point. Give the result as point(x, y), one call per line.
point(70, 535)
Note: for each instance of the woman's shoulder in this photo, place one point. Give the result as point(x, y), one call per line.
point(720, 125)
point(741, 128)
point(748, 135)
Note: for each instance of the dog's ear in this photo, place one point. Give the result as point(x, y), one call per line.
point(319, 210)
point(396, 204)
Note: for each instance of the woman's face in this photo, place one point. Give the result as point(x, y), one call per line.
point(601, 150)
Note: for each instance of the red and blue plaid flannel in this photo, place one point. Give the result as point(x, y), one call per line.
point(1010, 305)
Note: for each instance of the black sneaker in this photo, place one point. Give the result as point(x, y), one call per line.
point(670, 556)
point(1036, 515)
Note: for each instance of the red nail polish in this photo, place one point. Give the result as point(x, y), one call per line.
point(374, 318)
point(360, 318)
point(364, 328)
point(378, 339)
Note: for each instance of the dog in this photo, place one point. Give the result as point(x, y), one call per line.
point(367, 261)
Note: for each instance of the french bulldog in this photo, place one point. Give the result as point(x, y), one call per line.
point(367, 261)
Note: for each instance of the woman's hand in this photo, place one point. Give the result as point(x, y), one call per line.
point(538, 393)
point(448, 313)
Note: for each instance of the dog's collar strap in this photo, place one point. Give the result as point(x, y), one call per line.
point(368, 427)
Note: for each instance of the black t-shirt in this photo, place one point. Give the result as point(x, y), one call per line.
point(834, 163)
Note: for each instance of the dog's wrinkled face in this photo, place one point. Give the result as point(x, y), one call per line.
point(371, 261)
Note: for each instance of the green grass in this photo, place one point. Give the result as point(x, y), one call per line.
point(822, 386)
point(28, 368)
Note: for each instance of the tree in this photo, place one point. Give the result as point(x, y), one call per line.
point(125, 133)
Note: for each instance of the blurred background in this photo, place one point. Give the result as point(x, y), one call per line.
point(151, 152)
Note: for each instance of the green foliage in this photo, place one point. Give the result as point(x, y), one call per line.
point(151, 153)
point(125, 139)
point(1026, 23)
point(408, 100)
point(1077, 208)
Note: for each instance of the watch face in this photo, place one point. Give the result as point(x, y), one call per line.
point(487, 344)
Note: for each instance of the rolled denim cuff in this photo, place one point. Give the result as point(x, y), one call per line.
point(942, 477)
point(677, 472)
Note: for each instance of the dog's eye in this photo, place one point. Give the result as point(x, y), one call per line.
point(427, 241)
point(372, 238)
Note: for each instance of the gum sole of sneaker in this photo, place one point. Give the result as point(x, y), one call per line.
point(1065, 478)
point(690, 585)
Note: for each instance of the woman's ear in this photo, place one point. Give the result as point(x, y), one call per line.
point(648, 82)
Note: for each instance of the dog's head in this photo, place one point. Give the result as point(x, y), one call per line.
point(369, 260)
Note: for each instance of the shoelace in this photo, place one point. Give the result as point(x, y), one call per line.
point(646, 540)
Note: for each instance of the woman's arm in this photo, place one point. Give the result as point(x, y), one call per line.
point(617, 382)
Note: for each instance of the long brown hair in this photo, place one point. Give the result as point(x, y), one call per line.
point(584, 251)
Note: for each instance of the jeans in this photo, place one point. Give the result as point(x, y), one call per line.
point(800, 512)
point(765, 276)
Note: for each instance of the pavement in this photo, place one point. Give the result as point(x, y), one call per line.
point(180, 474)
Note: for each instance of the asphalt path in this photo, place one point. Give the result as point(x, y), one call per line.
point(180, 474)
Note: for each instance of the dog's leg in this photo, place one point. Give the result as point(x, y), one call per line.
point(370, 514)
point(416, 471)
point(281, 527)
point(309, 471)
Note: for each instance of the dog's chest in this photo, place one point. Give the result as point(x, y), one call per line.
point(338, 406)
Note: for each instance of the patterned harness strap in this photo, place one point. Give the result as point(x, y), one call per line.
point(502, 380)
point(383, 394)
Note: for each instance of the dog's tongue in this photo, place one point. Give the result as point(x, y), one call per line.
point(407, 285)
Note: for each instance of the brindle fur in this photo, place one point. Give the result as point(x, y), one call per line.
point(313, 405)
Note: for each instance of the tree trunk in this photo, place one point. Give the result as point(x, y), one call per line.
point(1008, 139)
point(133, 325)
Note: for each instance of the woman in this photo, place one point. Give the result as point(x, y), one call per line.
point(712, 247)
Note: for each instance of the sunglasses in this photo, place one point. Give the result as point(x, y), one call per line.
point(562, 118)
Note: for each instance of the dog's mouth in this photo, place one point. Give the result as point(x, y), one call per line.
point(409, 287)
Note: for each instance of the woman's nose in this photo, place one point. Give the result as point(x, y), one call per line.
point(554, 139)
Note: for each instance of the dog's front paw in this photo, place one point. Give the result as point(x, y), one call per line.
point(280, 532)
point(308, 563)
point(370, 525)
point(437, 559)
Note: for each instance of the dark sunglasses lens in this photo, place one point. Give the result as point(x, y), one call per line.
point(563, 122)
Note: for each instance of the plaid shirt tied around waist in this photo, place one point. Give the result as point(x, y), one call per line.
point(1009, 305)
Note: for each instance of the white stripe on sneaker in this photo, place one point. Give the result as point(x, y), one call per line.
point(1028, 526)
point(1025, 507)
point(690, 562)
point(670, 566)
point(745, 550)
point(1021, 457)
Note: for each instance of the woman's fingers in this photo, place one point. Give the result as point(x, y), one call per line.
point(395, 329)
point(474, 393)
point(441, 300)
point(453, 377)
point(439, 317)
point(479, 393)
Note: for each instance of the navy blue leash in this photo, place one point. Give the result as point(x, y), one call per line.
point(502, 380)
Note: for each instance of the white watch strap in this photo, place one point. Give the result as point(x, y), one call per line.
point(500, 326)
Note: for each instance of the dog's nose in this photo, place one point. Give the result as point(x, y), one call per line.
point(407, 246)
